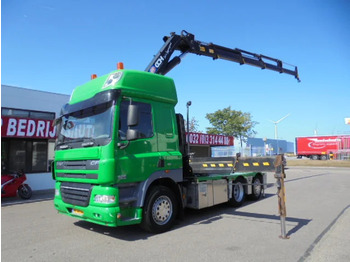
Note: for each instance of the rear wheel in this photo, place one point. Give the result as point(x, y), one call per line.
point(314, 157)
point(238, 193)
point(160, 210)
point(25, 192)
point(257, 188)
point(323, 157)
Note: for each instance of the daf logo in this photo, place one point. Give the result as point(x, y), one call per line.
point(60, 163)
point(94, 162)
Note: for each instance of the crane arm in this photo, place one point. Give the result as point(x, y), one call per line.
point(186, 43)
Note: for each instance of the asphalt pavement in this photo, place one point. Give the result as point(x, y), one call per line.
point(39, 195)
point(333, 243)
point(318, 224)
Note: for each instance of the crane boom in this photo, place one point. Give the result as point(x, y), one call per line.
point(186, 43)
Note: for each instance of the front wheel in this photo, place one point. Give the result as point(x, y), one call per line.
point(238, 193)
point(159, 210)
point(25, 192)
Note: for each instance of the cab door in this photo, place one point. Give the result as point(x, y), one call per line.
point(138, 158)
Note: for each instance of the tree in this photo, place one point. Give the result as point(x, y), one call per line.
point(231, 123)
point(194, 126)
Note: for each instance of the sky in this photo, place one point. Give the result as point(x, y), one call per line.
point(55, 46)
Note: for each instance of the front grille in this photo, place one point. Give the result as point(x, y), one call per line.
point(78, 165)
point(77, 175)
point(76, 193)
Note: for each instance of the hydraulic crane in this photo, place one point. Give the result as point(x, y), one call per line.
point(186, 43)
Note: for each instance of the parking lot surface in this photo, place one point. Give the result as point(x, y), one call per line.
point(318, 224)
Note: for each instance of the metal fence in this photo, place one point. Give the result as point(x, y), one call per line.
point(245, 151)
point(342, 154)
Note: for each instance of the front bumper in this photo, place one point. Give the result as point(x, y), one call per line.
point(106, 216)
point(103, 214)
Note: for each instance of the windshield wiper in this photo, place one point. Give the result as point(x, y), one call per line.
point(62, 145)
point(87, 141)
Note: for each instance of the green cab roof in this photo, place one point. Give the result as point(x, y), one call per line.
point(132, 83)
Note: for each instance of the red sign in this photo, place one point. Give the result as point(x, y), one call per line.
point(206, 139)
point(27, 128)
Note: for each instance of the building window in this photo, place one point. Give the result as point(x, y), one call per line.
point(39, 157)
point(26, 154)
point(17, 155)
point(27, 113)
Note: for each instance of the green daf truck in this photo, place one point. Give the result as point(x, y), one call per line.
point(121, 155)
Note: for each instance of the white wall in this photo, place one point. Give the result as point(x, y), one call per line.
point(29, 99)
point(40, 181)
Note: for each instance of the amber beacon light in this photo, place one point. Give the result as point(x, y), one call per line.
point(120, 66)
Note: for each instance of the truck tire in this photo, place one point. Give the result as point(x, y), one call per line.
point(238, 193)
point(159, 210)
point(314, 157)
point(257, 188)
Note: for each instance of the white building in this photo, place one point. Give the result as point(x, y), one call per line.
point(27, 133)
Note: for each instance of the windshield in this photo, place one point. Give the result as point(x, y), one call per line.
point(91, 126)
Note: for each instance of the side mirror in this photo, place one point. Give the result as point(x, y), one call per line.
point(132, 134)
point(133, 115)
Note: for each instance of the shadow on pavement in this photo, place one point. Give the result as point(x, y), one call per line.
point(299, 221)
point(203, 216)
point(38, 196)
point(191, 217)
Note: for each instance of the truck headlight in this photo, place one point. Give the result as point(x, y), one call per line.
point(104, 199)
point(57, 192)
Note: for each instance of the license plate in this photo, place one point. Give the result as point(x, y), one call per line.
point(77, 212)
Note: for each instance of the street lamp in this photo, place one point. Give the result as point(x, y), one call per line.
point(264, 139)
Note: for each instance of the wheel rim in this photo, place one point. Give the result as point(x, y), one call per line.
point(25, 191)
point(162, 210)
point(257, 187)
point(238, 192)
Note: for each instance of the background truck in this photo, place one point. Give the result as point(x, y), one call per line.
point(323, 147)
point(121, 156)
